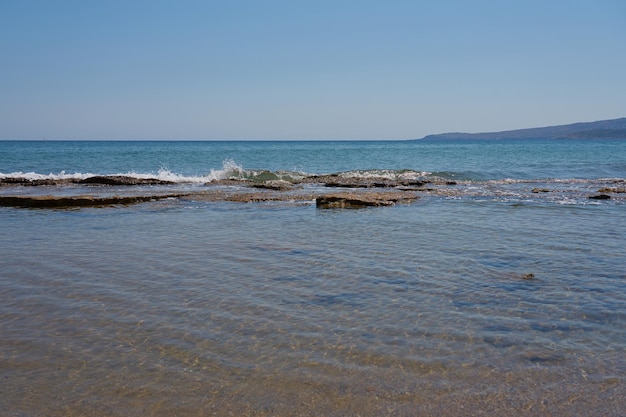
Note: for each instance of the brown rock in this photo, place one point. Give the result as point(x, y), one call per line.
point(31, 183)
point(353, 182)
point(78, 201)
point(612, 190)
point(361, 200)
point(122, 180)
point(274, 185)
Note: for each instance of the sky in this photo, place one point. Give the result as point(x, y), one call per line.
point(306, 70)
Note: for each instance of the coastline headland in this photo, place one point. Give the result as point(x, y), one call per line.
point(603, 129)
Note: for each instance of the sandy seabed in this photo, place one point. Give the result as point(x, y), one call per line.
point(388, 392)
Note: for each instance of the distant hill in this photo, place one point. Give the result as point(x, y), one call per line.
point(604, 129)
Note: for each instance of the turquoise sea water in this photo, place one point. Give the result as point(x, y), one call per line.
point(182, 307)
point(522, 159)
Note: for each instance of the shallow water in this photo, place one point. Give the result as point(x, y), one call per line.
point(169, 301)
point(182, 307)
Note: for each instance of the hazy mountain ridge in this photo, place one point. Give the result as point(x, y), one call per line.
point(603, 129)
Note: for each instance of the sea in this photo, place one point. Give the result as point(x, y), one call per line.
point(502, 294)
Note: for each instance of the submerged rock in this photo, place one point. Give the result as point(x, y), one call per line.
point(353, 182)
point(600, 197)
point(274, 185)
point(612, 190)
point(230, 182)
point(266, 197)
point(361, 200)
point(319, 179)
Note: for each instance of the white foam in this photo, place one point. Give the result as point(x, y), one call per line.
point(35, 176)
point(230, 169)
point(388, 174)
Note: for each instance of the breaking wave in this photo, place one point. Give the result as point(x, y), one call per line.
point(229, 170)
point(388, 174)
point(233, 171)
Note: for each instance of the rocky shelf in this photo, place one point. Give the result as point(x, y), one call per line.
point(360, 192)
point(359, 200)
point(50, 201)
point(336, 200)
point(334, 191)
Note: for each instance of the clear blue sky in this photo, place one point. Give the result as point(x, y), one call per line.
point(306, 69)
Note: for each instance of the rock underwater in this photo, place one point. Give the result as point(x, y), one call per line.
point(361, 200)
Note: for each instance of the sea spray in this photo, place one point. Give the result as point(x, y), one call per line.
point(230, 170)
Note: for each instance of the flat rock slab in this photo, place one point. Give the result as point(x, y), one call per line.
point(612, 190)
point(352, 182)
point(32, 182)
point(93, 180)
point(361, 200)
point(51, 202)
point(122, 180)
point(599, 197)
point(274, 185)
point(346, 200)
